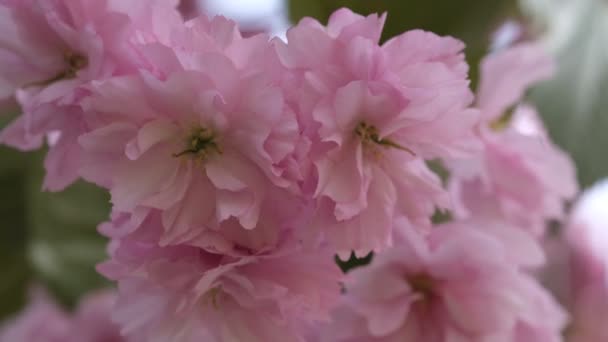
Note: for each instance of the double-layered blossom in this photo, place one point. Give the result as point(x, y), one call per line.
point(203, 146)
point(44, 321)
point(48, 51)
point(189, 291)
point(373, 113)
point(521, 179)
point(457, 284)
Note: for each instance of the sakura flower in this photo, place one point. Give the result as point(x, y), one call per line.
point(427, 71)
point(586, 232)
point(92, 319)
point(48, 50)
point(455, 285)
point(45, 321)
point(41, 321)
point(478, 208)
point(373, 113)
point(364, 175)
point(545, 319)
point(521, 177)
point(576, 271)
point(181, 292)
point(201, 146)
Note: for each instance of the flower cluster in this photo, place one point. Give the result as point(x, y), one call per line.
point(455, 285)
point(239, 166)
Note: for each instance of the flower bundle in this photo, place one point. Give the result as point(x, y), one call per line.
point(239, 166)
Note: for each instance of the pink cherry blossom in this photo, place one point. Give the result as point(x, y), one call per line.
point(44, 321)
point(48, 51)
point(92, 319)
point(586, 232)
point(180, 292)
point(372, 113)
point(202, 146)
point(428, 72)
point(41, 321)
point(455, 285)
point(587, 275)
point(544, 319)
point(238, 167)
point(521, 177)
point(506, 75)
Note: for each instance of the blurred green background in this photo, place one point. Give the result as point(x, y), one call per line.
point(50, 239)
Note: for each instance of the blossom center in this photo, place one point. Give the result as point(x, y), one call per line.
point(422, 284)
point(370, 136)
point(211, 297)
point(201, 144)
point(501, 123)
point(73, 62)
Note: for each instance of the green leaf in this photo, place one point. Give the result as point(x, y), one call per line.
point(46, 239)
point(13, 238)
point(64, 245)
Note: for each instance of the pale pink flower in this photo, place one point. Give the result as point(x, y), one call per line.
point(577, 271)
point(478, 207)
point(91, 321)
point(521, 177)
point(48, 51)
point(428, 73)
point(177, 293)
point(587, 233)
point(41, 321)
point(456, 285)
point(544, 320)
point(372, 114)
point(202, 146)
point(507, 74)
point(44, 321)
